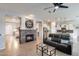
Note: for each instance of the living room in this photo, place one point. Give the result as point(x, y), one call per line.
point(26, 26)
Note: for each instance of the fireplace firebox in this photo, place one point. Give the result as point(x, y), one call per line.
point(29, 37)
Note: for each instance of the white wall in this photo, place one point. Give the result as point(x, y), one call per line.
point(75, 50)
point(23, 22)
point(2, 27)
point(2, 31)
point(53, 28)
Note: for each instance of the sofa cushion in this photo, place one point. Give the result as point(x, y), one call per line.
point(56, 36)
point(64, 45)
point(66, 37)
point(51, 43)
point(51, 35)
point(49, 38)
point(56, 40)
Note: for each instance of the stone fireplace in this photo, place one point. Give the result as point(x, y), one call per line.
point(27, 30)
point(27, 35)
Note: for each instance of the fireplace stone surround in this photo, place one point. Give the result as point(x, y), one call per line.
point(23, 33)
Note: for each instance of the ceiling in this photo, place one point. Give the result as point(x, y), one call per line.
point(37, 9)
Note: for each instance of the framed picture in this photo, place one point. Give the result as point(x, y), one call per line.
point(29, 24)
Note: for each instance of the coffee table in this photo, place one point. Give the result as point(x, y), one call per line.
point(45, 49)
point(41, 47)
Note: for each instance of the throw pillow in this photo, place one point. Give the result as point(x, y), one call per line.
point(49, 38)
point(64, 41)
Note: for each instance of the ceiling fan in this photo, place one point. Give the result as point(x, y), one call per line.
point(56, 6)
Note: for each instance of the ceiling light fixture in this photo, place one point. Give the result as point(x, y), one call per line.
point(56, 7)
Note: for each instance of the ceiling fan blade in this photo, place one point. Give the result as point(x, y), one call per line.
point(62, 6)
point(48, 8)
point(57, 4)
point(54, 10)
point(60, 3)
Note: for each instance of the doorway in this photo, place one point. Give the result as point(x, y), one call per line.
point(39, 29)
point(11, 33)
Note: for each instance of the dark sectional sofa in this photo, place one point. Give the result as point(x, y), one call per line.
point(55, 41)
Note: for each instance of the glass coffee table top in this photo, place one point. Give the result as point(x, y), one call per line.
point(46, 49)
